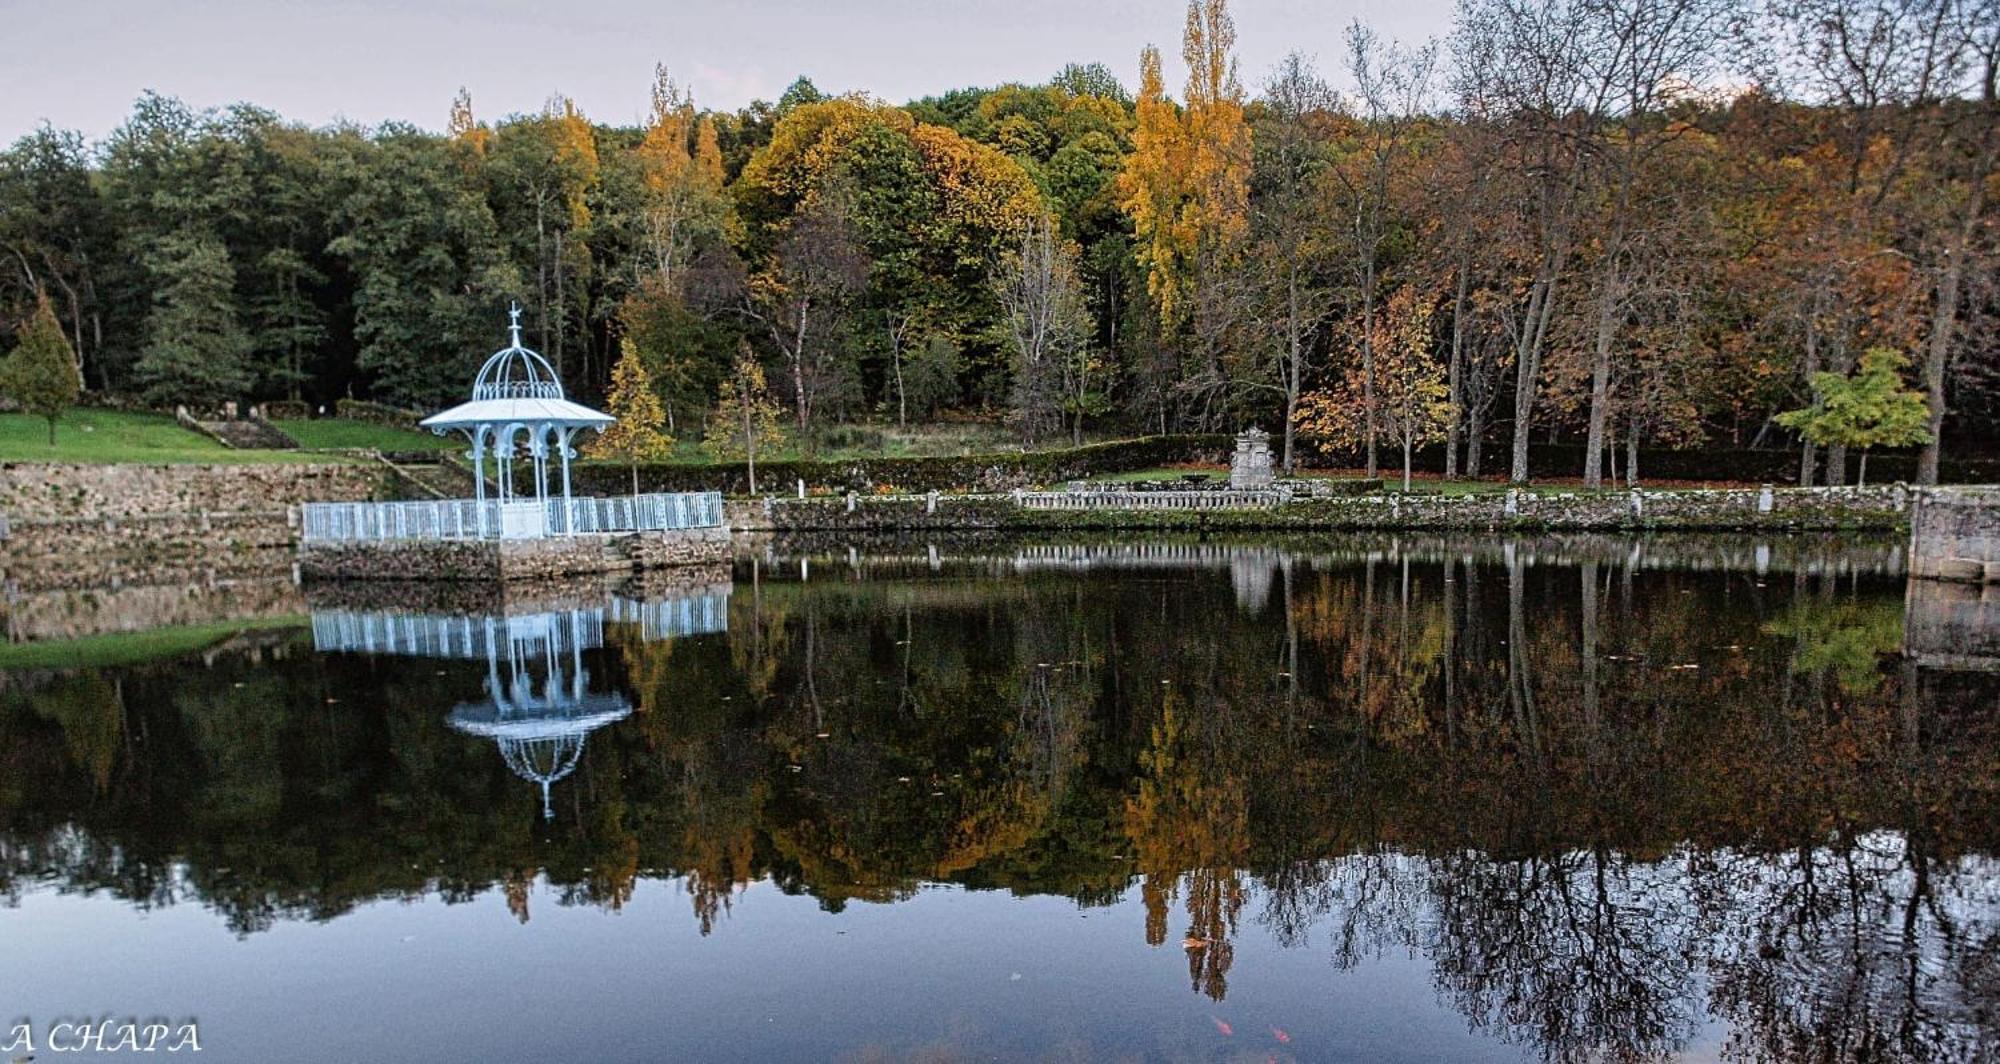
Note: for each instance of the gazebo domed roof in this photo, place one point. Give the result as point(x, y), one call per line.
point(516, 373)
point(516, 386)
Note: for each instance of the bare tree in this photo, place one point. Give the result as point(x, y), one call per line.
point(1395, 85)
point(1049, 324)
point(802, 298)
point(1291, 236)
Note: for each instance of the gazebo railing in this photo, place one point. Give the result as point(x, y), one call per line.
point(451, 519)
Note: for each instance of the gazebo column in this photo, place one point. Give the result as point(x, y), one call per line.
point(479, 480)
point(569, 512)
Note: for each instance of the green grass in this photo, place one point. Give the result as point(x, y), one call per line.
point(117, 436)
point(340, 434)
point(131, 648)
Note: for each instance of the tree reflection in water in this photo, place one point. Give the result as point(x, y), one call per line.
point(1612, 791)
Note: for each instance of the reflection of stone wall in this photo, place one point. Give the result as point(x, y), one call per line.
point(579, 591)
point(1952, 626)
point(38, 491)
point(528, 559)
point(71, 614)
point(1955, 535)
point(168, 549)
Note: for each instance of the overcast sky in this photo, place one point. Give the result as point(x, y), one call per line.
point(80, 63)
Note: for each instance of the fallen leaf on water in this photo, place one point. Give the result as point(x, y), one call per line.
point(1221, 1026)
point(1279, 1034)
point(1193, 942)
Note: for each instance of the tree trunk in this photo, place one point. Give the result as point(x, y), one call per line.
point(1944, 322)
point(1475, 444)
point(1407, 447)
point(1456, 372)
point(1368, 361)
point(1528, 369)
point(1600, 385)
point(1632, 453)
point(1809, 452)
point(1836, 465)
point(1861, 475)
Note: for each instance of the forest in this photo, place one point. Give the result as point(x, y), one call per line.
point(1623, 224)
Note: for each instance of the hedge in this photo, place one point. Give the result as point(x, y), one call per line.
point(377, 413)
point(984, 472)
point(1565, 460)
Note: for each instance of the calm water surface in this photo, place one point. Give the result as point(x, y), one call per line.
point(1339, 799)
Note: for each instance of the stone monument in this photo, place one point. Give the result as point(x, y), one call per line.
point(1250, 468)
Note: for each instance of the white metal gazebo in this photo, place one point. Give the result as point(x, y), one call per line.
point(518, 402)
point(517, 410)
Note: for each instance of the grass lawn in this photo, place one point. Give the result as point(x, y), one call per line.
point(339, 433)
point(115, 436)
point(131, 648)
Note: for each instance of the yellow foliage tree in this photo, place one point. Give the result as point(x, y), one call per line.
point(1186, 184)
point(745, 420)
point(636, 436)
point(1412, 401)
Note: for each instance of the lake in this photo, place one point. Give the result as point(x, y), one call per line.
point(1339, 798)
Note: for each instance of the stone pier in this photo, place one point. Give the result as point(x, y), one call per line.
point(1955, 535)
point(512, 559)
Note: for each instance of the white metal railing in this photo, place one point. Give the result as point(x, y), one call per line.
point(353, 522)
point(1148, 500)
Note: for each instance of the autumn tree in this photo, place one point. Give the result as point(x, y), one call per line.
point(40, 374)
point(636, 436)
point(803, 300)
point(1291, 237)
point(544, 171)
point(1186, 187)
point(1395, 86)
point(745, 419)
point(1413, 402)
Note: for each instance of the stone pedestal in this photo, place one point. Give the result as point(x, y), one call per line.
point(1250, 467)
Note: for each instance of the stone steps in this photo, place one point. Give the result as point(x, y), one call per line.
point(246, 434)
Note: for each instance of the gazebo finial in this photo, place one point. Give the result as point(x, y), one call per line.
point(514, 321)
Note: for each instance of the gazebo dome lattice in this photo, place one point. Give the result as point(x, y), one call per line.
point(517, 373)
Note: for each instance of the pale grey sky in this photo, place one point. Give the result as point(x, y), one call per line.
point(80, 63)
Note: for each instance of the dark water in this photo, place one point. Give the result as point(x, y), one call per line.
point(1354, 799)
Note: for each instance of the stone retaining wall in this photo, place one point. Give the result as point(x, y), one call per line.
point(1750, 509)
point(1955, 535)
point(41, 491)
point(533, 559)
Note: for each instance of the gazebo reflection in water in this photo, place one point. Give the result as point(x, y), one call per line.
point(541, 702)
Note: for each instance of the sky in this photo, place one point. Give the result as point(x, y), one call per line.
point(79, 64)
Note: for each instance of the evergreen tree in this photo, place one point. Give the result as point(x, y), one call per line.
point(196, 350)
point(636, 437)
point(41, 373)
point(1873, 408)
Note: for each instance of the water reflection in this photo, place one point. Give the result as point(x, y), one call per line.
point(1623, 800)
point(540, 703)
